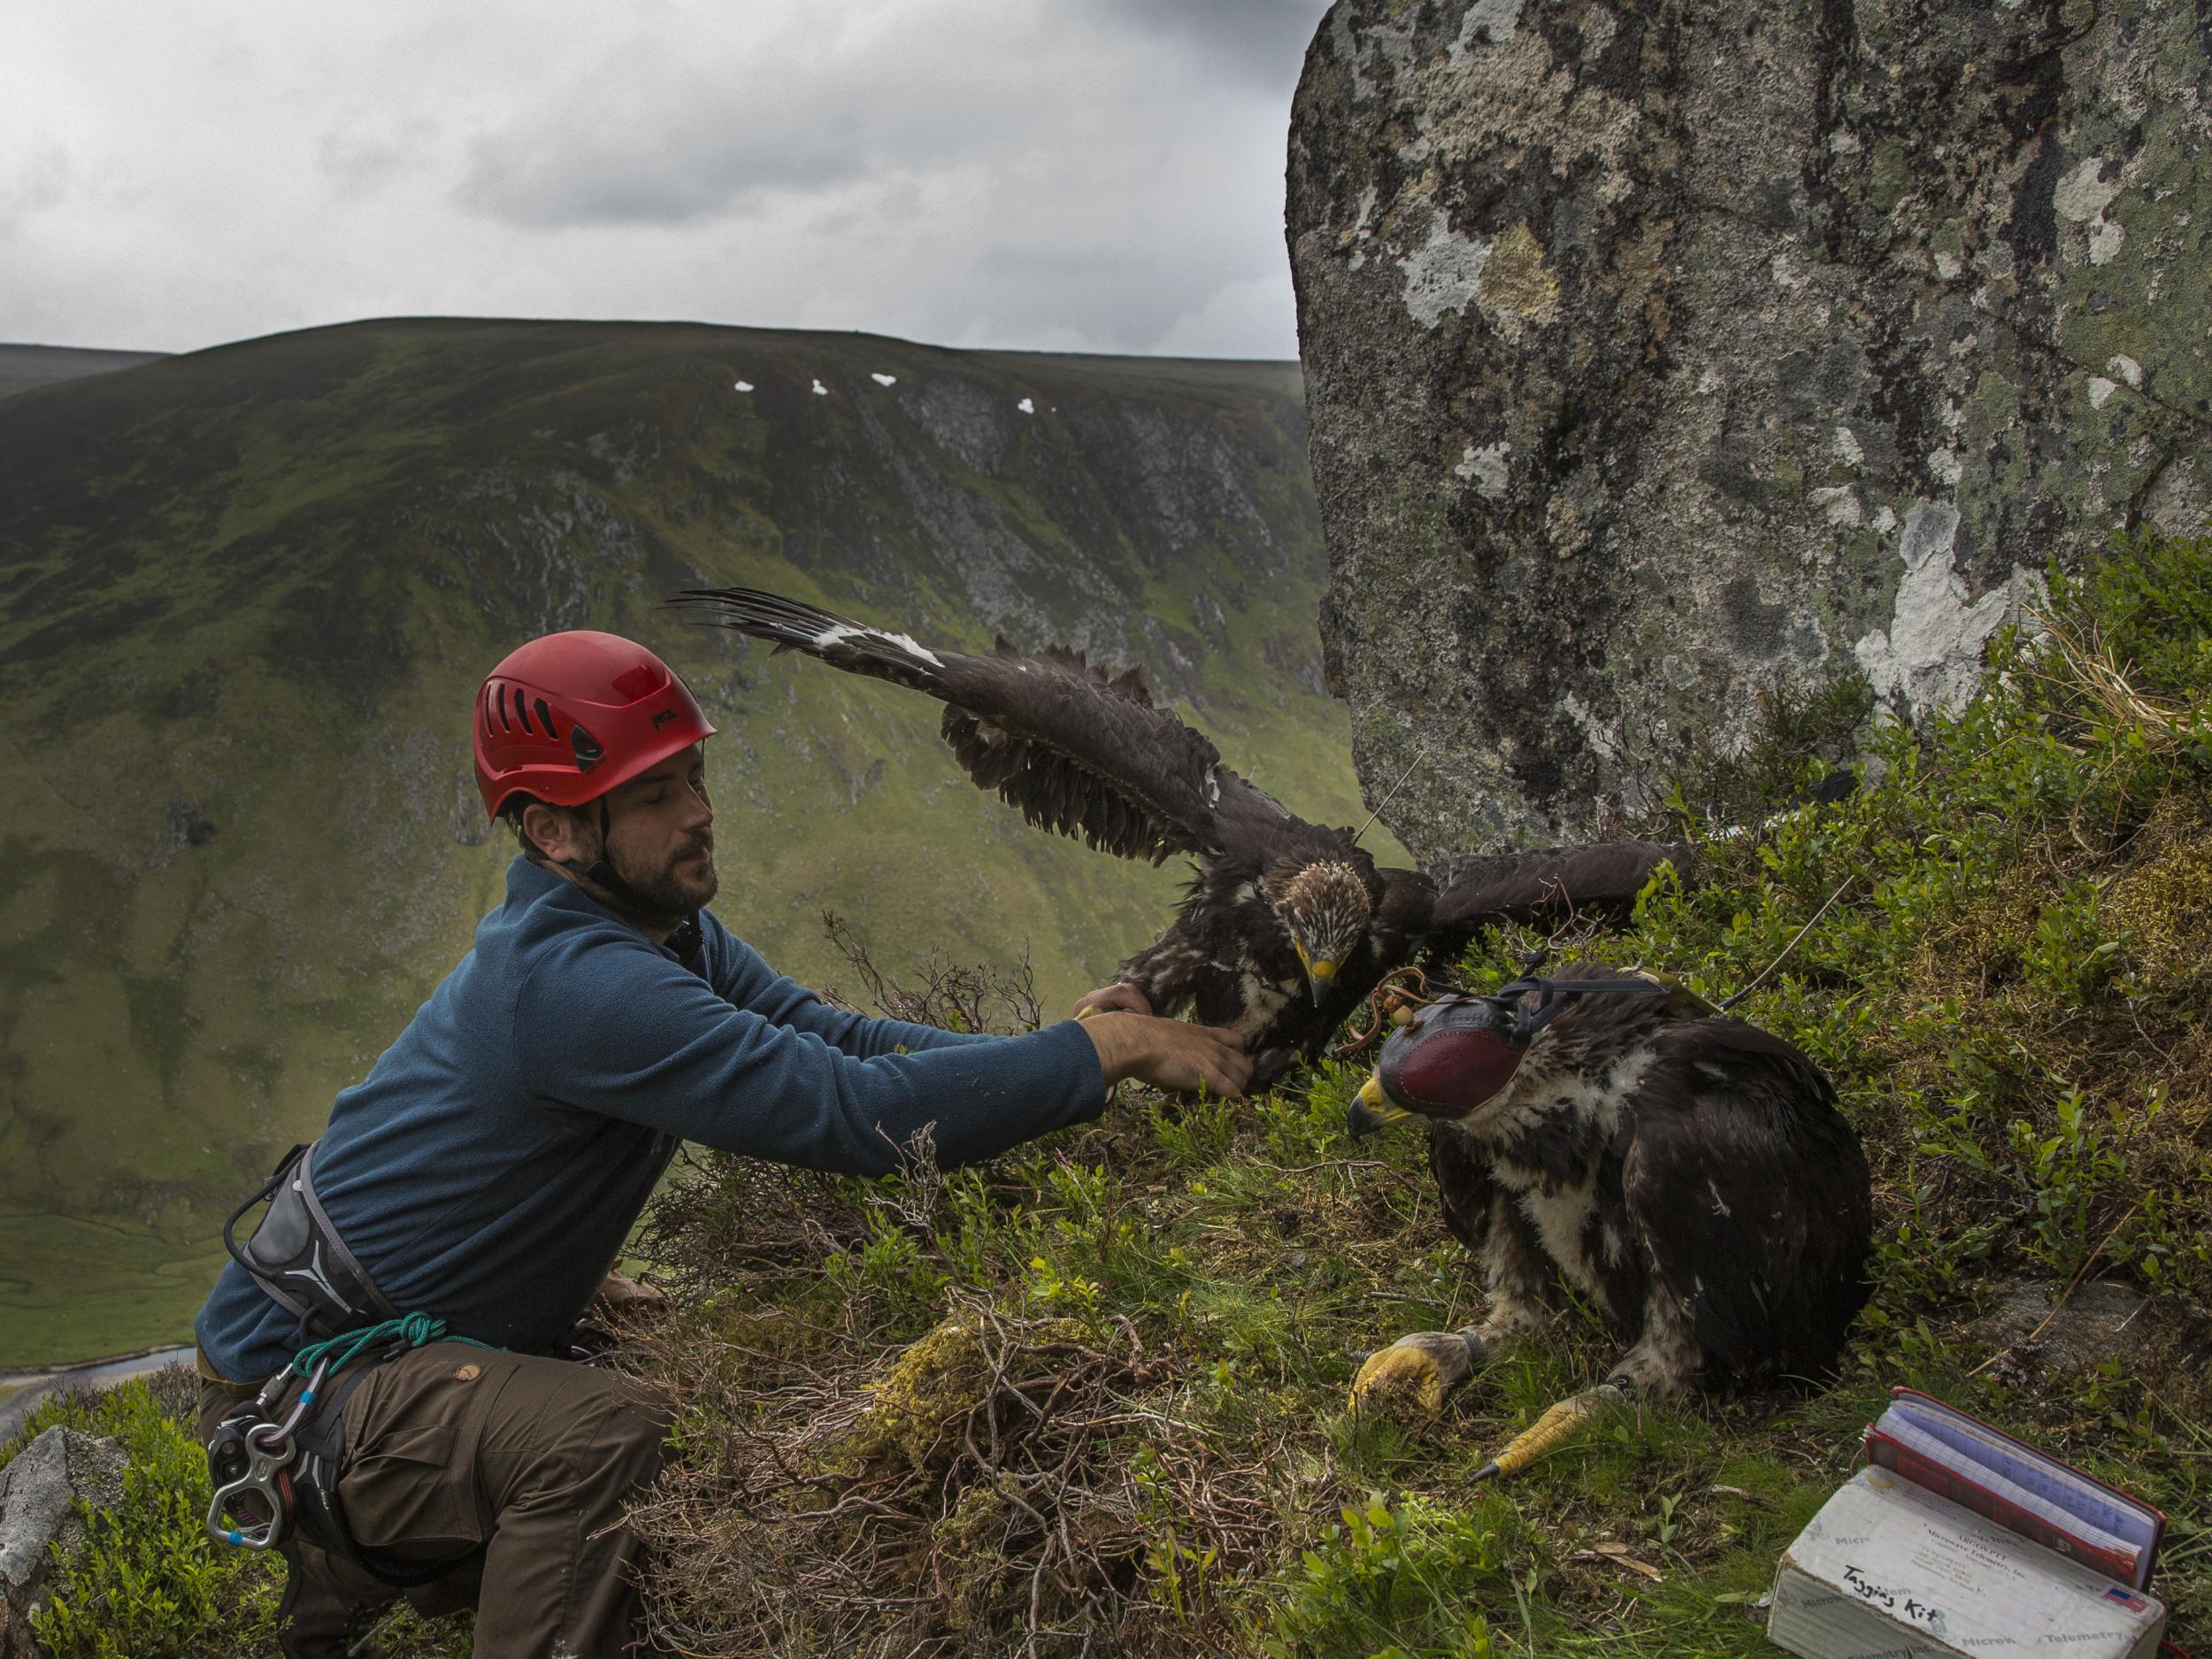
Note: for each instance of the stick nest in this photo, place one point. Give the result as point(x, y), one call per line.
point(980, 1488)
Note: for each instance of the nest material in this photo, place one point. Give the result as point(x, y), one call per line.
point(981, 1488)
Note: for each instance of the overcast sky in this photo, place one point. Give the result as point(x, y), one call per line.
point(1096, 175)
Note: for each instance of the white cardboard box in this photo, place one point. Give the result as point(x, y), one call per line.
point(1889, 1571)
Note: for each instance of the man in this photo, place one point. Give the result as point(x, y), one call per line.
point(489, 1169)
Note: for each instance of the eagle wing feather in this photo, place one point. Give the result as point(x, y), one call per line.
point(1077, 750)
point(1751, 1191)
point(1546, 882)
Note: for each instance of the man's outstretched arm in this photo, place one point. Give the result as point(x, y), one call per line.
point(1170, 1054)
point(611, 1026)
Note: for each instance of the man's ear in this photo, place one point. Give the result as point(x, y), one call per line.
point(553, 832)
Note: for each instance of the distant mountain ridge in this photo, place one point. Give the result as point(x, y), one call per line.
point(245, 596)
point(23, 368)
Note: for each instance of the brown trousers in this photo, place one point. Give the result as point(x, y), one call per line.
point(509, 1465)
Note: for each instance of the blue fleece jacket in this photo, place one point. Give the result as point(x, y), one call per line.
point(490, 1168)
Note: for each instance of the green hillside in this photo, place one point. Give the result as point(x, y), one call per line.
point(245, 596)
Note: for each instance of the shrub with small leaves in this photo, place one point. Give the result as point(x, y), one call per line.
point(150, 1581)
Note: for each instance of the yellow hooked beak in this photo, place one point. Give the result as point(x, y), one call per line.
point(1373, 1109)
point(1319, 972)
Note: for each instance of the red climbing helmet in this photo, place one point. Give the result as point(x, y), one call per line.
point(571, 716)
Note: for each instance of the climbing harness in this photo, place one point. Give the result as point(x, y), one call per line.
point(297, 1258)
point(275, 1476)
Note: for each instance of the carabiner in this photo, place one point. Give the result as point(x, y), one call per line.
point(268, 1451)
point(273, 1434)
point(267, 1478)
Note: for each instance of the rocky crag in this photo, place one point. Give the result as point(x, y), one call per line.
point(1659, 355)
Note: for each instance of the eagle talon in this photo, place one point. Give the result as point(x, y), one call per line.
point(1419, 1371)
point(1557, 1426)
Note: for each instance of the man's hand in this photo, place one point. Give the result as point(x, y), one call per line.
point(1169, 1054)
point(1108, 999)
point(621, 1295)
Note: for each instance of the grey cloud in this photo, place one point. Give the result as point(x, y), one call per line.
point(1127, 294)
point(1261, 42)
point(699, 150)
point(1103, 175)
point(637, 141)
point(34, 182)
point(534, 180)
point(359, 161)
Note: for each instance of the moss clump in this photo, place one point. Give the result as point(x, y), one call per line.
point(978, 1520)
point(941, 1374)
point(969, 1547)
point(2161, 912)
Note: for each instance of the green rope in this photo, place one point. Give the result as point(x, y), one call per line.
point(413, 1331)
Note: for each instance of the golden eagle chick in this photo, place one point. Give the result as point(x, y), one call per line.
point(1325, 908)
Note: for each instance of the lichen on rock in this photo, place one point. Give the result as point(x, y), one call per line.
point(1658, 354)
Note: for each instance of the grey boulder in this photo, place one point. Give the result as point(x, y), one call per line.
point(39, 1493)
point(1658, 354)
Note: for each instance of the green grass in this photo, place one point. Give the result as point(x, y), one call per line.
point(75, 1289)
point(150, 1583)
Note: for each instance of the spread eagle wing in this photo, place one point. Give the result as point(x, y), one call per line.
point(1550, 881)
point(1751, 1191)
point(1077, 751)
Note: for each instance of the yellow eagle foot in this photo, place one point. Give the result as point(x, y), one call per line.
point(1553, 1428)
point(1415, 1374)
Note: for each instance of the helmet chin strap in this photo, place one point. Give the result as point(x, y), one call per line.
point(635, 905)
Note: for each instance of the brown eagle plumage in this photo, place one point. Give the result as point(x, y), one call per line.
point(1689, 1173)
point(1287, 926)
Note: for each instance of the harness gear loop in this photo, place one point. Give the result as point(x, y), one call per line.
point(287, 1469)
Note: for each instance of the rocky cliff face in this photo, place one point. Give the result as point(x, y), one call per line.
point(1657, 354)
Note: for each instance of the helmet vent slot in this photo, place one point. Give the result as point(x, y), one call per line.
point(545, 718)
point(522, 715)
point(501, 703)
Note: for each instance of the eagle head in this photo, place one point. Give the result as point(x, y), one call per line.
point(1325, 908)
point(1452, 1058)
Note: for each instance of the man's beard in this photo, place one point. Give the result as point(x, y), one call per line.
point(664, 897)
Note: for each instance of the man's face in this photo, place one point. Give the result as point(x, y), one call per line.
point(660, 835)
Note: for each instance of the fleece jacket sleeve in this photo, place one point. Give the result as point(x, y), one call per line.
point(616, 1026)
point(744, 979)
